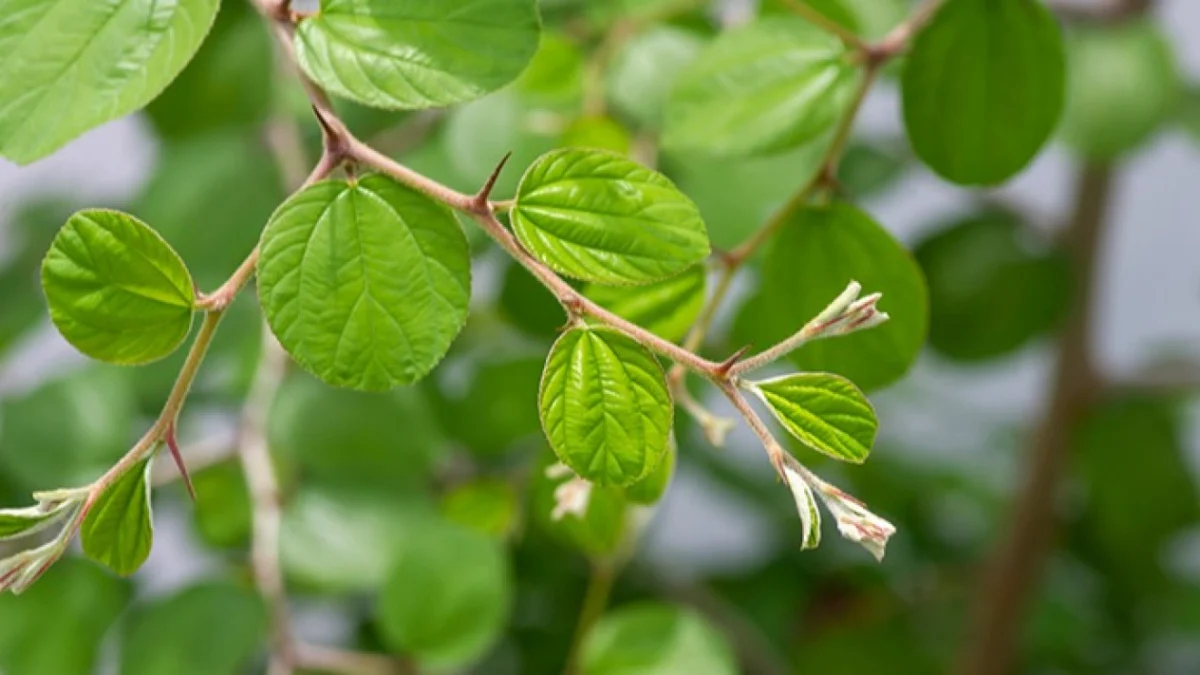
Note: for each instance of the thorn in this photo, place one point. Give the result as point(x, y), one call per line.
point(173, 445)
point(480, 201)
point(724, 367)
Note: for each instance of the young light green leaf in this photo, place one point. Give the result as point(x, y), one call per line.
point(448, 596)
point(765, 87)
point(21, 522)
point(827, 412)
point(605, 406)
point(418, 53)
point(365, 283)
point(71, 65)
point(604, 218)
point(666, 308)
point(1123, 86)
point(117, 292)
point(118, 530)
point(983, 88)
point(651, 489)
point(656, 639)
point(806, 502)
point(818, 250)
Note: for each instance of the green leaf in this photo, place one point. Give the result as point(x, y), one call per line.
point(116, 290)
point(667, 308)
point(1133, 461)
point(387, 439)
point(868, 169)
point(762, 88)
point(447, 597)
point(69, 430)
point(344, 540)
point(1123, 85)
point(222, 510)
point(34, 634)
point(826, 412)
point(501, 402)
point(601, 217)
point(605, 406)
point(646, 67)
point(656, 639)
point(29, 520)
point(227, 85)
point(118, 529)
point(213, 628)
point(601, 529)
point(417, 54)
point(386, 281)
point(487, 506)
point(651, 489)
point(555, 75)
point(983, 88)
point(527, 304)
point(598, 133)
point(73, 65)
point(992, 287)
point(817, 252)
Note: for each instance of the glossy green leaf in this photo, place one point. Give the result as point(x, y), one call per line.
point(826, 412)
point(651, 489)
point(34, 639)
point(488, 506)
point(645, 69)
point(765, 87)
point(605, 406)
point(1123, 85)
point(601, 217)
point(29, 520)
point(419, 53)
point(992, 286)
point(983, 88)
point(227, 85)
point(656, 639)
point(387, 439)
point(73, 65)
point(365, 283)
point(118, 530)
point(817, 252)
point(601, 530)
point(208, 629)
point(447, 597)
point(117, 292)
point(667, 308)
point(345, 539)
point(69, 430)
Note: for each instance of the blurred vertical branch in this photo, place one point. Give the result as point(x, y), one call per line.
point(1016, 564)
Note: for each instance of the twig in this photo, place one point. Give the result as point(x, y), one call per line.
point(1016, 564)
point(815, 17)
point(600, 584)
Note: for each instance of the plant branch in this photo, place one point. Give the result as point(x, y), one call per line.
point(595, 599)
point(1015, 566)
point(815, 17)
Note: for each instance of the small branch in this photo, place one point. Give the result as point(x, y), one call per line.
point(599, 588)
point(815, 17)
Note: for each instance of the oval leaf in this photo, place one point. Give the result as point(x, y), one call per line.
point(827, 412)
point(765, 87)
point(818, 251)
point(604, 218)
point(656, 639)
point(605, 406)
point(448, 596)
point(983, 88)
point(365, 283)
point(71, 65)
point(118, 530)
point(1124, 85)
point(418, 53)
point(667, 308)
point(117, 292)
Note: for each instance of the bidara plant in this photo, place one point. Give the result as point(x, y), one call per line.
point(364, 273)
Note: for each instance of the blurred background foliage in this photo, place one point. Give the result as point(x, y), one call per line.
point(417, 522)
